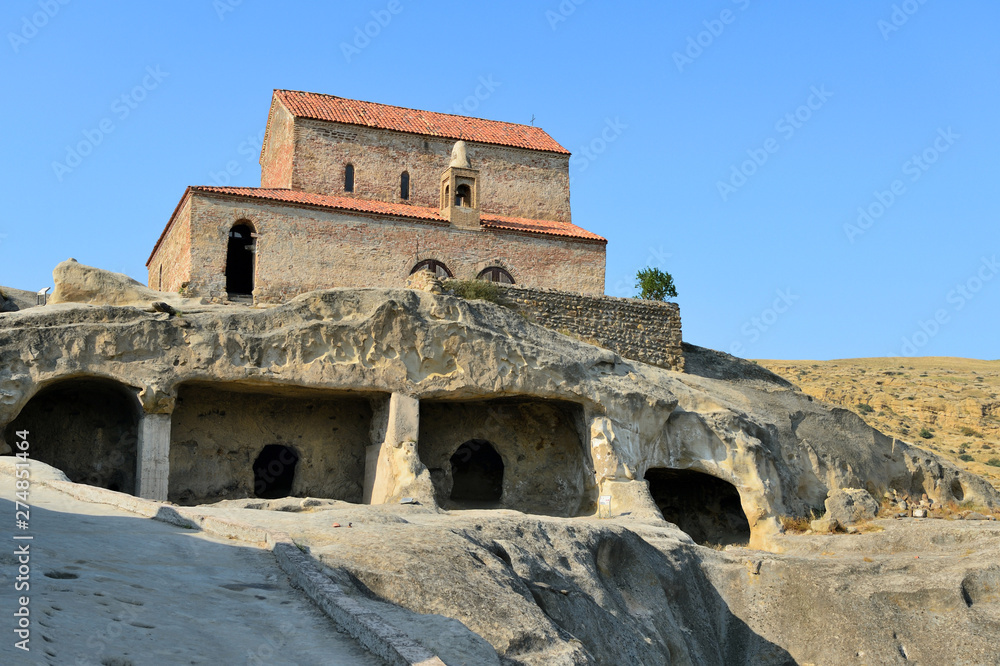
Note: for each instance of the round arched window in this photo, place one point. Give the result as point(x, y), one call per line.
point(496, 274)
point(434, 266)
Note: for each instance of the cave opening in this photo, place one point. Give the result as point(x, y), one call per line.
point(477, 474)
point(707, 508)
point(86, 427)
point(274, 471)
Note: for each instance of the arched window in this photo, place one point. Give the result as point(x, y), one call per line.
point(434, 266)
point(239, 261)
point(349, 178)
point(463, 196)
point(404, 185)
point(495, 274)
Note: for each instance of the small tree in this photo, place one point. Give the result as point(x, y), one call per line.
point(654, 284)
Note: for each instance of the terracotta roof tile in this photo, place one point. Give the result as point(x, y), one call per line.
point(490, 221)
point(384, 116)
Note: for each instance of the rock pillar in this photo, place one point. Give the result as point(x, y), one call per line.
point(392, 467)
point(153, 456)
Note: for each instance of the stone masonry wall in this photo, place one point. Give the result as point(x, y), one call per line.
point(512, 181)
point(276, 162)
point(647, 331)
point(173, 256)
point(302, 249)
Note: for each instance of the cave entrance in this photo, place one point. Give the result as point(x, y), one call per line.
point(477, 474)
point(274, 471)
point(704, 506)
point(86, 427)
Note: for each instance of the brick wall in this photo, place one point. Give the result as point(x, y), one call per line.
point(173, 255)
point(301, 249)
point(276, 161)
point(647, 331)
point(512, 181)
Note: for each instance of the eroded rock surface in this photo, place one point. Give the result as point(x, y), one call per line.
point(782, 451)
point(568, 588)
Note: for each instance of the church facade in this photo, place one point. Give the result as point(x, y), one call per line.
point(358, 194)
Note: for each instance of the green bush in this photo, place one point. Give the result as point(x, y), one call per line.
point(475, 290)
point(970, 432)
point(966, 457)
point(993, 462)
point(865, 408)
point(925, 433)
point(655, 285)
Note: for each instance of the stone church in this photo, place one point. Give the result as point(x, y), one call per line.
point(359, 194)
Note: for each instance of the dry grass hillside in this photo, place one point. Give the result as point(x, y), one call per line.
point(946, 405)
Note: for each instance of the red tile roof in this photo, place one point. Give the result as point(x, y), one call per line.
point(487, 220)
point(430, 123)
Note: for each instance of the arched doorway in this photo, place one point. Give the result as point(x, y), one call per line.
point(476, 474)
point(704, 506)
point(274, 471)
point(88, 428)
point(240, 260)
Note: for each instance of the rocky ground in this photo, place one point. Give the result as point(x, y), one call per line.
point(502, 587)
point(110, 588)
point(950, 406)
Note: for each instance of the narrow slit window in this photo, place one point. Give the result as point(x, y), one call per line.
point(404, 185)
point(349, 178)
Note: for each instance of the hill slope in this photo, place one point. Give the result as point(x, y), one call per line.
point(956, 401)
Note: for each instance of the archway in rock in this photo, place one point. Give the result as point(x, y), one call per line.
point(704, 506)
point(88, 428)
point(274, 471)
point(222, 433)
point(477, 474)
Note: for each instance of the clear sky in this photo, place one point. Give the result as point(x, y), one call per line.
point(820, 178)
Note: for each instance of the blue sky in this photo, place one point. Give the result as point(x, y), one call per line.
point(746, 140)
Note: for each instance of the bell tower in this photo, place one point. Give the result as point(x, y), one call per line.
point(460, 190)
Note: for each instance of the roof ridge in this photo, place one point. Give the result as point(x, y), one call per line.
point(410, 108)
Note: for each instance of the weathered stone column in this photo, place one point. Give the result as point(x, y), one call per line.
point(616, 481)
point(392, 466)
point(153, 456)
